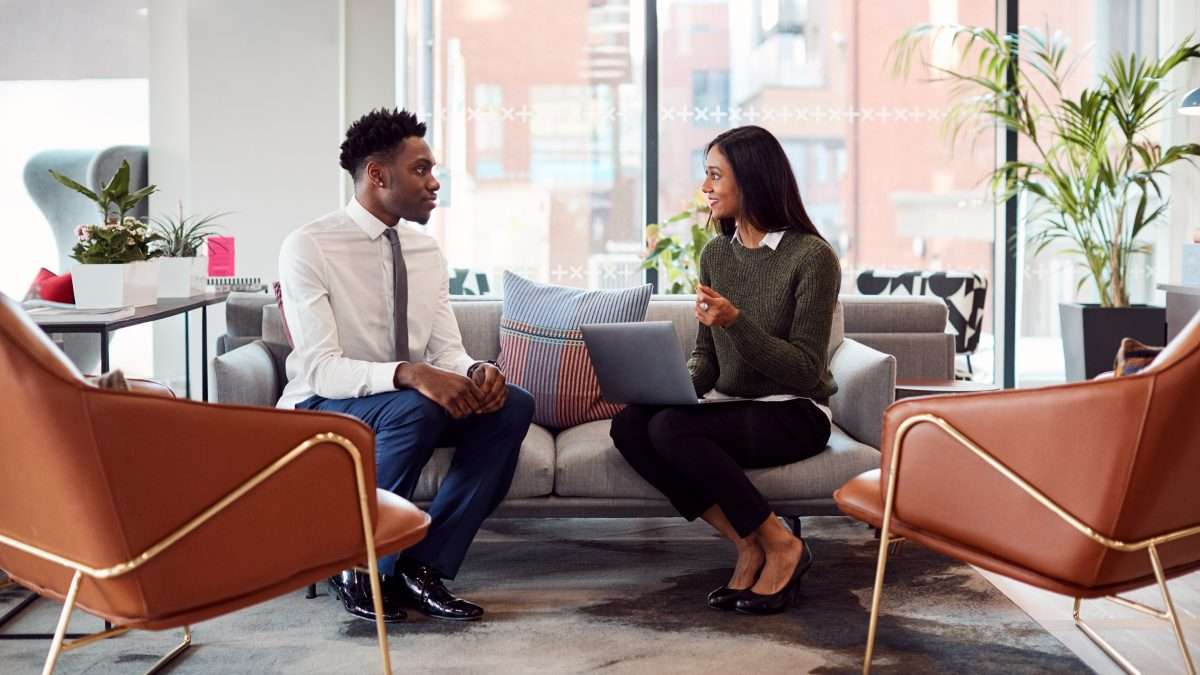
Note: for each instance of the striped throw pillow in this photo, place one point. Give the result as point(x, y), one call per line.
point(542, 350)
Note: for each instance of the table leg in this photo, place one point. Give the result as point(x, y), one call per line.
point(204, 353)
point(103, 352)
point(187, 357)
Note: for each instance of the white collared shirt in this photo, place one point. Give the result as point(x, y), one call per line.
point(336, 277)
point(770, 239)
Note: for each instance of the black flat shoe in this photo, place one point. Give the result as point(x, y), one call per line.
point(725, 597)
point(353, 588)
point(428, 594)
point(753, 603)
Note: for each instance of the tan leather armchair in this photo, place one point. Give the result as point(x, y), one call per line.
point(155, 513)
point(1085, 489)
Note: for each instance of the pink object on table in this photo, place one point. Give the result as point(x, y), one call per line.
point(220, 256)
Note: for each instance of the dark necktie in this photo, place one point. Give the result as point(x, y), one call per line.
point(399, 293)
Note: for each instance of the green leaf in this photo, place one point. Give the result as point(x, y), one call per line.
point(118, 187)
point(73, 185)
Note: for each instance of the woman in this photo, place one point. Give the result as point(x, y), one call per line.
point(768, 288)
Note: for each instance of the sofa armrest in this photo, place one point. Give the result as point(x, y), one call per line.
point(250, 375)
point(866, 381)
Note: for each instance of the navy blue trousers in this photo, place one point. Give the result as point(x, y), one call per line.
point(408, 426)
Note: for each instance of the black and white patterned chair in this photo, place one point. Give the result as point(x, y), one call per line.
point(964, 293)
point(466, 281)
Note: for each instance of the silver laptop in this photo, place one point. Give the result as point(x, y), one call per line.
point(640, 363)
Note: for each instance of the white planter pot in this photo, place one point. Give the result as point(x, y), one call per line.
point(182, 277)
point(130, 284)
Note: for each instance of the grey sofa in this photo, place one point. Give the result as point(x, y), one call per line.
point(577, 472)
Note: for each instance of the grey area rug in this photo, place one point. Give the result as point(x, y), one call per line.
point(613, 596)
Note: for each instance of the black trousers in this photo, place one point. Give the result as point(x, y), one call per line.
point(696, 455)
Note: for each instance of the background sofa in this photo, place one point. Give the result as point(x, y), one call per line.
point(576, 472)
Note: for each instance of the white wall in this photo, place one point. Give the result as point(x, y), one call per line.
point(249, 103)
point(72, 39)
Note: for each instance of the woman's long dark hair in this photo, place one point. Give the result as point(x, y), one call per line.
point(770, 197)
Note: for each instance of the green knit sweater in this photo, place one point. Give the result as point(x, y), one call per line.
point(780, 342)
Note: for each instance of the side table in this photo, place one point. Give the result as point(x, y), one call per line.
point(906, 388)
point(162, 309)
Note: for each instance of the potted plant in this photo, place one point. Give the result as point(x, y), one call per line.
point(1091, 184)
point(675, 245)
point(116, 267)
point(182, 272)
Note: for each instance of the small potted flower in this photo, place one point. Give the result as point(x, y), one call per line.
point(182, 272)
point(116, 261)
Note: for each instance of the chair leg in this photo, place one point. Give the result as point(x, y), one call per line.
point(1172, 616)
point(1099, 641)
point(63, 620)
point(885, 541)
point(174, 653)
point(376, 585)
point(312, 592)
point(1168, 615)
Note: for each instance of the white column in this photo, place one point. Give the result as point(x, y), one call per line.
point(248, 104)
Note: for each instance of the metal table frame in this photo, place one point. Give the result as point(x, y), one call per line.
point(147, 314)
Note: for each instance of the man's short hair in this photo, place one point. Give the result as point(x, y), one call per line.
point(376, 136)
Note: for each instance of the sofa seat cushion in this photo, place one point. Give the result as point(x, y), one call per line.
point(534, 476)
point(589, 466)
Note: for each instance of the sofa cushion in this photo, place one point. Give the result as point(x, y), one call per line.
point(534, 476)
point(589, 466)
point(542, 349)
point(894, 314)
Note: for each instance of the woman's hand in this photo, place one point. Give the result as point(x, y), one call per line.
point(714, 310)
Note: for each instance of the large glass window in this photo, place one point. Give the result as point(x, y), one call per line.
point(541, 141)
point(1093, 31)
point(875, 172)
point(544, 147)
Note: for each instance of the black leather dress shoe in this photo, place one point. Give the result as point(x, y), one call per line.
point(753, 603)
point(353, 588)
point(428, 594)
point(725, 597)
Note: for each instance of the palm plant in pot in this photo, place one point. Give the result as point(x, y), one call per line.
point(181, 238)
point(1091, 185)
point(116, 259)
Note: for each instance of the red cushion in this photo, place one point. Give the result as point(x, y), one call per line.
point(52, 287)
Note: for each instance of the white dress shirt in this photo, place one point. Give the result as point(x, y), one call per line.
point(336, 277)
point(770, 240)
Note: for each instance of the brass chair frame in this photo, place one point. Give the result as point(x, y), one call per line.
point(58, 646)
point(1149, 545)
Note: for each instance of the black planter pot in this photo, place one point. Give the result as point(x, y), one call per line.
point(1092, 334)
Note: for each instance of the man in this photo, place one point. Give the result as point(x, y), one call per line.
point(367, 302)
